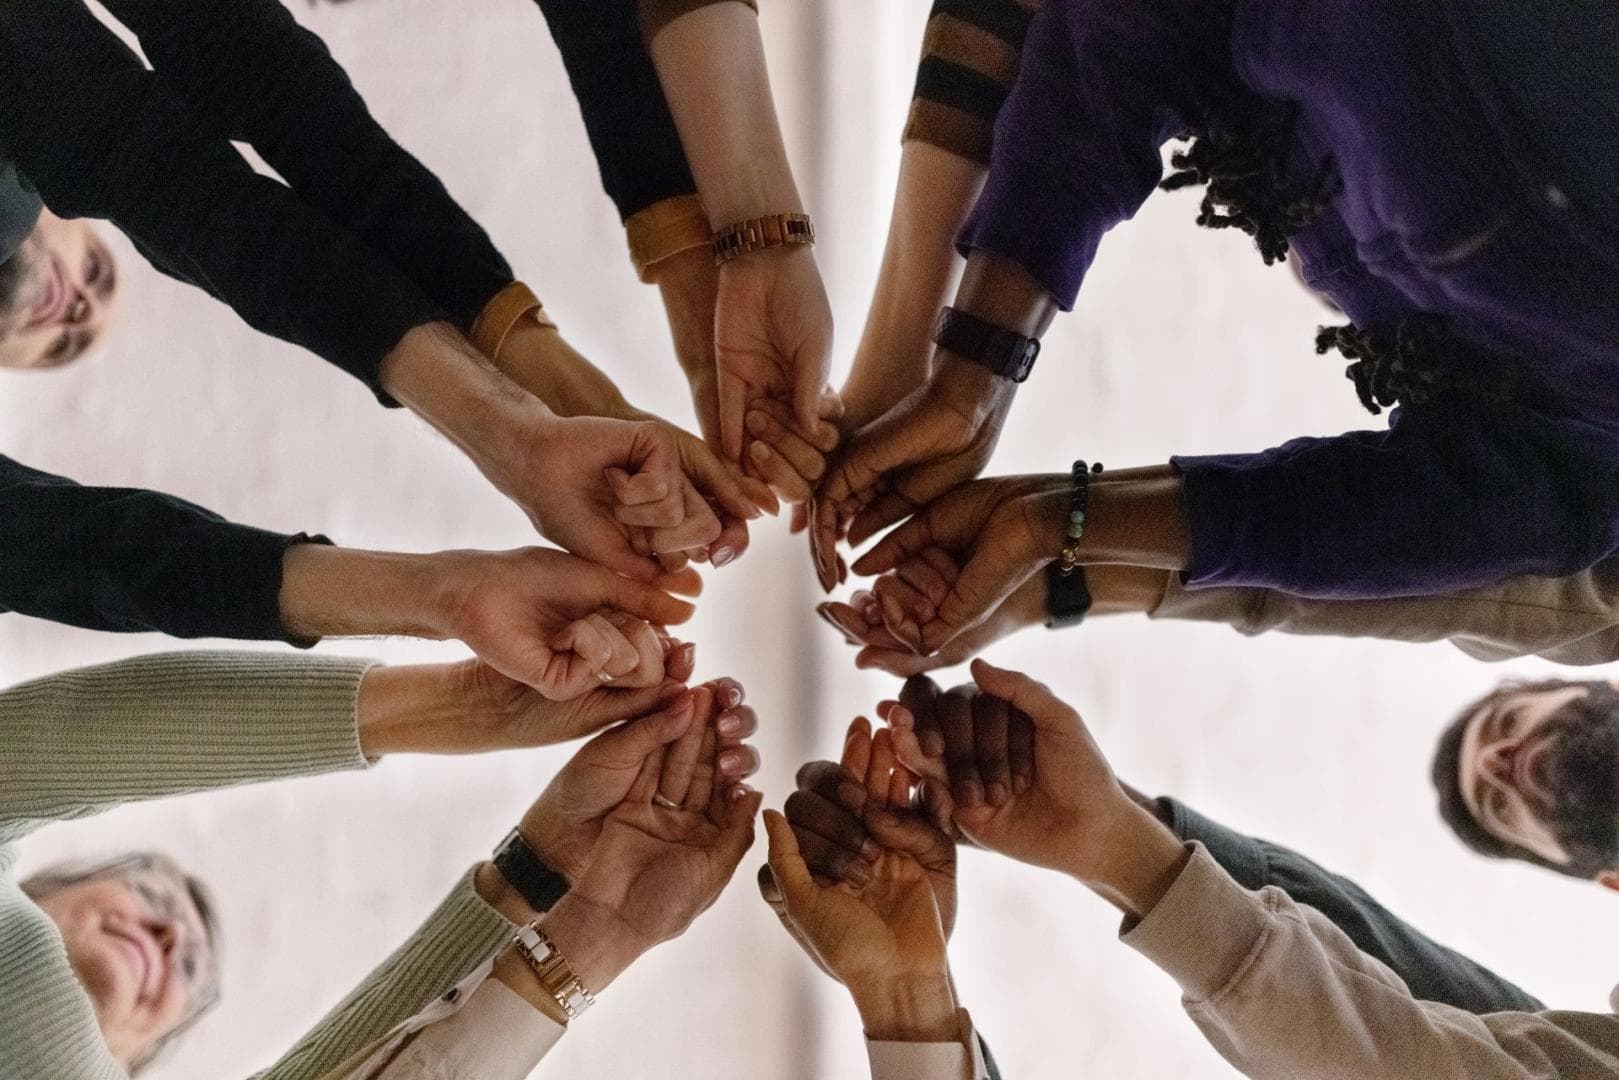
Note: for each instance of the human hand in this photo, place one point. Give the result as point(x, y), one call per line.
point(567, 819)
point(554, 621)
point(1070, 814)
point(937, 438)
point(470, 708)
point(772, 339)
point(842, 832)
point(787, 457)
point(538, 358)
point(883, 939)
point(964, 556)
point(913, 592)
point(663, 853)
point(689, 284)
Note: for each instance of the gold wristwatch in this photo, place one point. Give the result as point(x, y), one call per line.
point(556, 975)
point(754, 234)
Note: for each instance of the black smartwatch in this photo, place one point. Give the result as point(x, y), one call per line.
point(1067, 597)
point(524, 871)
point(1005, 352)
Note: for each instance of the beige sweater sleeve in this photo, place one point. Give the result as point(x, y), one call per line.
point(1572, 620)
point(1282, 993)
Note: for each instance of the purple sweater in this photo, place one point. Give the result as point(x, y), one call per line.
point(1445, 208)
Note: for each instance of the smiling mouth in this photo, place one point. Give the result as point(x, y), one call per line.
point(53, 302)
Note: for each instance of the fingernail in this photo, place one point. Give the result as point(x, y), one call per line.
point(998, 794)
point(721, 555)
point(892, 614)
point(1021, 784)
point(870, 851)
point(759, 452)
point(755, 423)
point(972, 793)
point(731, 761)
point(851, 794)
point(740, 792)
point(732, 695)
point(932, 743)
point(687, 653)
point(729, 724)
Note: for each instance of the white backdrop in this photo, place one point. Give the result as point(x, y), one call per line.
point(1182, 343)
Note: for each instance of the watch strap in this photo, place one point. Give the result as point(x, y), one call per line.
point(1005, 352)
point(756, 234)
point(526, 872)
point(1068, 598)
point(556, 975)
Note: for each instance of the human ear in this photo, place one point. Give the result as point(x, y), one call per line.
point(1608, 879)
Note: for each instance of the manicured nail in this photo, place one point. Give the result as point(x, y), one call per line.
point(687, 653)
point(721, 555)
point(729, 724)
point(739, 792)
point(731, 761)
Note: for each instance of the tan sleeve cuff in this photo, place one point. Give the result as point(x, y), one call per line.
point(656, 14)
point(665, 229)
point(495, 322)
point(1205, 930)
point(959, 1060)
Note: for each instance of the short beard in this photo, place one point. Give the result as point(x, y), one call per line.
point(1584, 774)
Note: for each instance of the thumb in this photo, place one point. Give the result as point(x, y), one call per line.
point(786, 862)
point(1034, 699)
point(640, 599)
point(638, 738)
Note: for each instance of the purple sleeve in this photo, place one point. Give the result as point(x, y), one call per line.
point(1453, 496)
point(1078, 144)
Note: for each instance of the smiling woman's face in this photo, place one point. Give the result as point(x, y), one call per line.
point(139, 947)
point(60, 294)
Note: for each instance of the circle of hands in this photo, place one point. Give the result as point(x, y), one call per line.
point(651, 817)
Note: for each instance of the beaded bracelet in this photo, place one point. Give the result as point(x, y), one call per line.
point(1076, 515)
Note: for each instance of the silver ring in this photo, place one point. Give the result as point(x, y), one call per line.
point(664, 801)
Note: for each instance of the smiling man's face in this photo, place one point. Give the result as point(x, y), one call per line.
point(58, 294)
point(1536, 769)
point(141, 950)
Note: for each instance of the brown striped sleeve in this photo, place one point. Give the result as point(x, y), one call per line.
point(970, 56)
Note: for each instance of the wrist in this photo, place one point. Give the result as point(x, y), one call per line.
point(971, 388)
point(1130, 861)
point(539, 359)
point(493, 888)
point(417, 709)
point(597, 942)
point(915, 1008)
point(336, 592)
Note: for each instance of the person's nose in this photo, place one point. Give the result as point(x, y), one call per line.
point(1498, 762)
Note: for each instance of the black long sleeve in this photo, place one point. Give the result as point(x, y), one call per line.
point(100, 136)
point(1432, 971)
point(255, 75)
point(124, 559)
point(632, 132)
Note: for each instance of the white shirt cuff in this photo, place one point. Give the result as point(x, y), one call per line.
point(958, 1060)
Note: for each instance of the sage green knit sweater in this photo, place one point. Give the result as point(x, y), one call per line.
point(85, 741)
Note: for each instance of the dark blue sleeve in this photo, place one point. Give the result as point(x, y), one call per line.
point(632, 132)
point(1455, 494)
point(100, 136)
point(1433, 972)
point(254, 75)
point(128, 560)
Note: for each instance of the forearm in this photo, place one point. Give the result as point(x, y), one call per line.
point(1136, 517)
point(89, 739)
point(919, 1009)
point(261, 78)
point(919, 272)
point(711, 64)
point(437, 373)
point(539, 359)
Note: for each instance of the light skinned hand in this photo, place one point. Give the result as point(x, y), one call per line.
point(999, 532)
point(788, 458)
point(657, 868)
point(555, 621)
point(912, 594)
point(884, 930)
point(590, 483)
point(565, 822)
point(937, 438)
point(772, 339)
